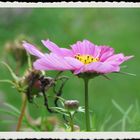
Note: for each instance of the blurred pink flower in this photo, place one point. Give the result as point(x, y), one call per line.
point(82, 57)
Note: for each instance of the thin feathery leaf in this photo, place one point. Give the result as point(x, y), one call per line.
point(59, 110)
point(81, 109)
point(137, 106)
point(123, 123)
point(129, 109)
point(7, 81)
point(127, 112)
point(10, 70)
point(105, 122)
point(105, 76)
point(8, 121)
point(126, 73)
point(12, 108)
point(123, 66)
point(124, 113)
point(118, 106)
point(9, 113)
point(115, 124)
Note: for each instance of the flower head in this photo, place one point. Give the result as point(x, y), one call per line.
point(83, 57)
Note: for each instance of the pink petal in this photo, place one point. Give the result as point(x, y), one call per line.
point(51, 46)
point(105, 49)
point(55, 49)
point(117, 59)
point(85, 47)
point(97, 52)
point(76, 64)
point(105, 52)
point(98, 67)
point(52, 62)
point(77, 71)
point(66, 52)
point(60, 62)
point(32, 50)
point(101, 67)
point(41, 64)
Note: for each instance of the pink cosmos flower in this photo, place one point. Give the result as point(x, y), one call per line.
point(83, 56)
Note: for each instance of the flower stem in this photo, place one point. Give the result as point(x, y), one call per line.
point(71, 123)
point(86, 80)
point(24, 102)
point(29, 61)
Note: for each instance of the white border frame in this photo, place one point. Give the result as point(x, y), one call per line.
point(69, 4)
point(70, 135)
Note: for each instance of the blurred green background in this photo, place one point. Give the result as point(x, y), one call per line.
point(115, 27)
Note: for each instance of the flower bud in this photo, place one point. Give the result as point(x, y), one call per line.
point(16, 49)
point(31, 80)
point(71, 105)
point(29, 76)
point(36, 83)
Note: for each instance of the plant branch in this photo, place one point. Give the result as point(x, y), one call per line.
point(24, 103)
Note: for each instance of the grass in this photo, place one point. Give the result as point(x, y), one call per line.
point(116, 27)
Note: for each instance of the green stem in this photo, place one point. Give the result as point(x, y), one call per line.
point(71, 123)
point(29, 61)
point(20, 119)
point(86, 80)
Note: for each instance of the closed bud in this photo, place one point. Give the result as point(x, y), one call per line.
point(16, 49)
point(31, 80)
point(71, 105)
point(36, 83)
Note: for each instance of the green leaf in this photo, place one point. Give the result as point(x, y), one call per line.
point(7, 81)
point(60, 110)
point(81, 109)
point(31, 126)
point(105, 122)
point(137, 106)
point(124, 66)
point(126, 73)
point(125, 113)
point(118, 106)
point(10, 70)
point(129, 109)
point(115, 124)
point(8, 121)
point(8, 112)
point(12, 108)
point(105, 76)
point(66, 125)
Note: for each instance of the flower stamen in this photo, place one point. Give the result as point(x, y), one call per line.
point(86, 59)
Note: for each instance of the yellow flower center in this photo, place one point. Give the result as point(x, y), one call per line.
point(86, 59)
